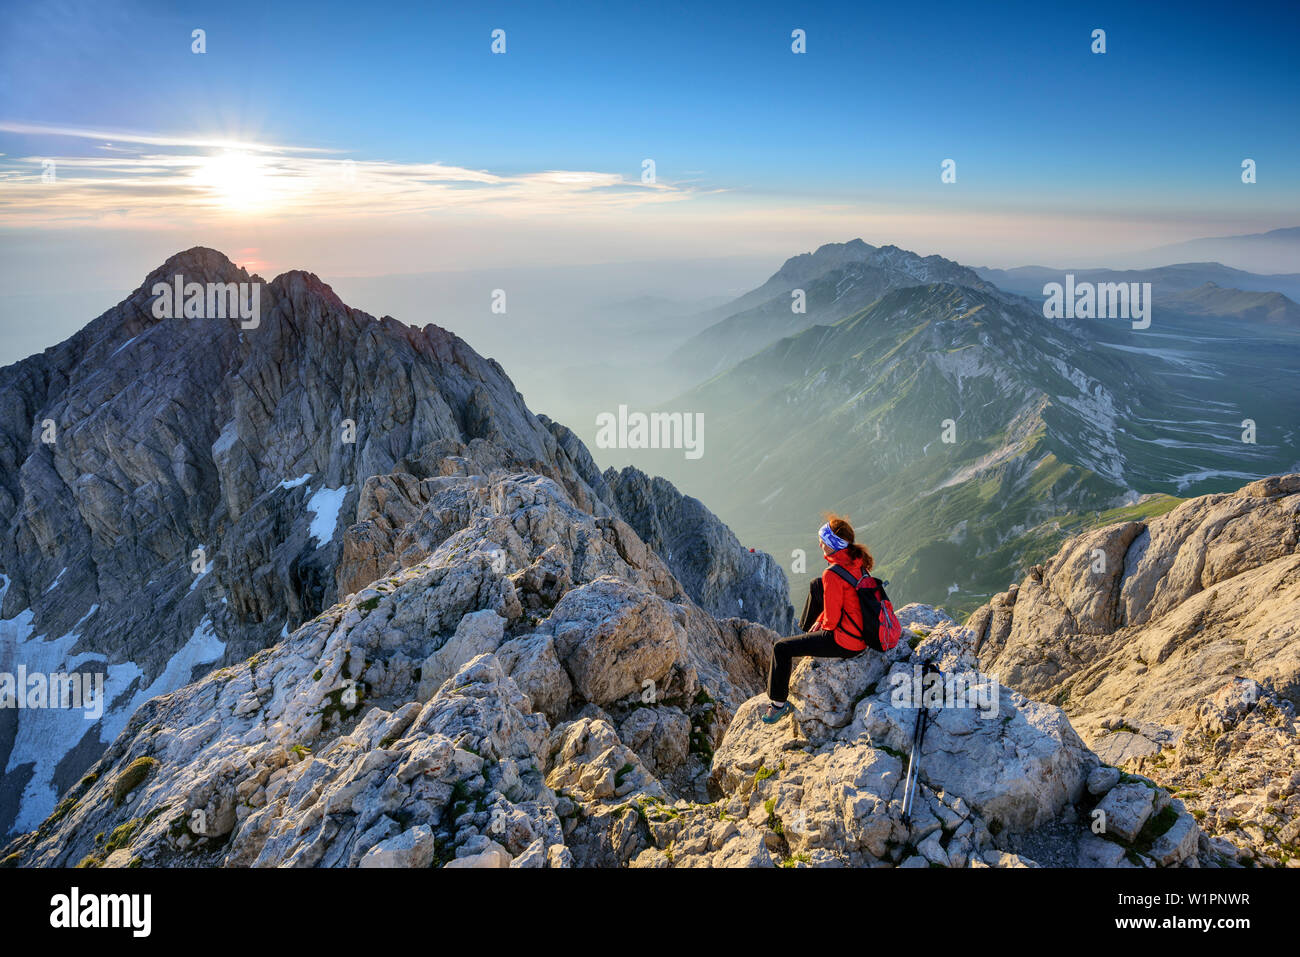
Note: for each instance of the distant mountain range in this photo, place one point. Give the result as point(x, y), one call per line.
point(1212, 284)
point(1277, 251)
point(1053, 425)
point(1213, 301)
point(837, 280)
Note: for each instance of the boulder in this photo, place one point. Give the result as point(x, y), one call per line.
point(478, 633)
point(1126, 808)
point(613, 638)
point(412, 848)
point(1102, 779)
point(1177, 844)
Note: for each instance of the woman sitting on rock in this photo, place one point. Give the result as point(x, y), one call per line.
point(832, 615)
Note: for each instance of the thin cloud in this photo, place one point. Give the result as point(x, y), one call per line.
point(222, 179)
point(153, 139)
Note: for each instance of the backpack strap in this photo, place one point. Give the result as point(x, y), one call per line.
point(846, 575)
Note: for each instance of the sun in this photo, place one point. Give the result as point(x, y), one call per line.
point(235, 180)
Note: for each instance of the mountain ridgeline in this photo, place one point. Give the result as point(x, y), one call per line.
point(836, 281)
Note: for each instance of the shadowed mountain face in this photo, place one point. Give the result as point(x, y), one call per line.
point(174, 492)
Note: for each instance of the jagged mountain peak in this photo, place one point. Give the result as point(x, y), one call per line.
point(299, 283)
point(204, 265)
point(198, 264)
point(828, 254)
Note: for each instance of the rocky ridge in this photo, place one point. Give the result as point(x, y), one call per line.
point(1174, 646)
point(533, 687)
point(420, 709)
point(1006, 784)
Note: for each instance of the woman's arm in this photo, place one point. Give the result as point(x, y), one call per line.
point(812, 607)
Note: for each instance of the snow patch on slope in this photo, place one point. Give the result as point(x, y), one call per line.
point(44, 736)
point(325, 505)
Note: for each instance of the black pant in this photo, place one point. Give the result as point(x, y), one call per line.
point(816, 644)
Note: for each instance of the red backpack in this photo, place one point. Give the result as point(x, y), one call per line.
point(879, 621)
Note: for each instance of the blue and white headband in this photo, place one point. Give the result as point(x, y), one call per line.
point(833, 541)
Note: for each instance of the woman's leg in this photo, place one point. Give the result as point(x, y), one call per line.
point(812, 606)
point(818, 644)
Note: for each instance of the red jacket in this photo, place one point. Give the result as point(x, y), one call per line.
point(842, 612)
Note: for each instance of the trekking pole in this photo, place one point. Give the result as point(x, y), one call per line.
point(913, 761)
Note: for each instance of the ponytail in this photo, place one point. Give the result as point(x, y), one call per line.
point(859, 552)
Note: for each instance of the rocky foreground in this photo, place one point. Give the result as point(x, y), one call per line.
point(527, 684)
point(1174, 646)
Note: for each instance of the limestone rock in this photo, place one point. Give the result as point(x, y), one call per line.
point(922, 618)
point(1102, 779)
point(413, 848)
point(1127, 807)
point(493, 856)
point(478, 633)
point(1178, 843)
point(613, 640)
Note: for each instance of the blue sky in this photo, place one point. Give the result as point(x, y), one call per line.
point(758, 150)
point(880, 89)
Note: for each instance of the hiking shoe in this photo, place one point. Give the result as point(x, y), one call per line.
point(775, 712)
